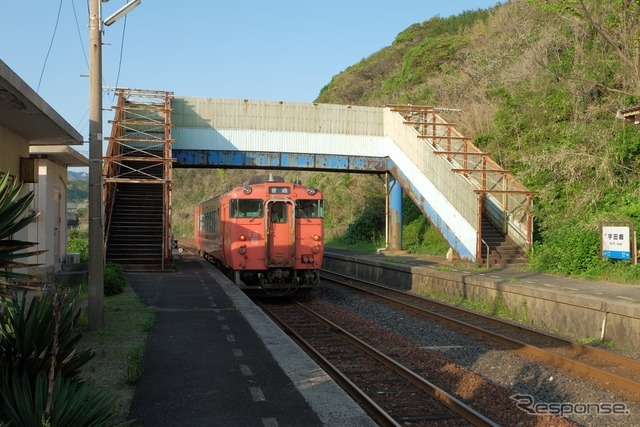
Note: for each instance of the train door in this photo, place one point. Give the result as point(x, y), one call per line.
point(280, 233)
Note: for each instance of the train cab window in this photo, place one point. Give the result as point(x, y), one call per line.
point(246, 208)
point(309, 209)
point(279, 213)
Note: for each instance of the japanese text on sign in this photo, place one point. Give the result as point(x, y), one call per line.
point(616, 242)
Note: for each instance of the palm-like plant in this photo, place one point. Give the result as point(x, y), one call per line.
point(39, 357)
point(13, 219)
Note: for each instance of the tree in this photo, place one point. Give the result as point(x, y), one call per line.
point(616, 21)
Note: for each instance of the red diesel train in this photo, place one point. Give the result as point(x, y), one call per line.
point(266, 235)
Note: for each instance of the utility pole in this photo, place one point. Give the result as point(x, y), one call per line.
point(96, 228)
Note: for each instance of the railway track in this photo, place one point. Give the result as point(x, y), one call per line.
point(608, 370)
point(391, 393)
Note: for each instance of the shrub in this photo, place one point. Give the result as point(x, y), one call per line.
point(79, 245)
point(28, 334)
point(369, 226)
point(114, 279)
point(39, 341)
point(12, 219)
point(71, 403)
point(573, 250)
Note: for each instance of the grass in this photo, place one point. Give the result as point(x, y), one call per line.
point(342, 242)
point(495, 307)
point(597, 342)
point(119, 348)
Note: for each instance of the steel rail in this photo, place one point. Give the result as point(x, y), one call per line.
point(450, 401)
point(371, 407)
point(607, 378)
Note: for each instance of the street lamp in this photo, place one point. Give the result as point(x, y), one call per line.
point(96, 227)
point(122, 12)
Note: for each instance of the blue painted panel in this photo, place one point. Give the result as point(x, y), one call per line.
point(263, 160)
point(325, 161)
point(367, 163)
point(295, 160)
point(226, 158)
point(239, 159)
point(616, 254)
point(395, 214)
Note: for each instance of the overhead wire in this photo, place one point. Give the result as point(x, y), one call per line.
point(106, 91)
point(124, 29)
point(86, 60)
point(75, 15)
point(55, 29)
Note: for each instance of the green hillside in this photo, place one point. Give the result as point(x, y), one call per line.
point(538, 85)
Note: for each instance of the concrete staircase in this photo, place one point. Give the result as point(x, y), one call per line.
point(502, 250)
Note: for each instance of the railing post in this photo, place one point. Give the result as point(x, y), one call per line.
point(481, 196)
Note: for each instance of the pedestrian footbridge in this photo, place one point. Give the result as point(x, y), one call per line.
point(480, 208)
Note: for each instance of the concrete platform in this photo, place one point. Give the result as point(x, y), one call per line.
point(580, 308)
point(213, 358)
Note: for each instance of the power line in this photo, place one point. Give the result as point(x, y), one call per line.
point(124, 28)
point(75, 15)
point(50, 46)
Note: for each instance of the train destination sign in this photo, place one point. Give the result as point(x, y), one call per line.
point(617, 240)
point(279, 190)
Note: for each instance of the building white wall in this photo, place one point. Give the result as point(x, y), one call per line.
point(49, 230)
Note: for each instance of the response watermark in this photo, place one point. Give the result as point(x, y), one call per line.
point(527, 403)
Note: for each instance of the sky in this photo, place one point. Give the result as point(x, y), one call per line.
point(280, 50)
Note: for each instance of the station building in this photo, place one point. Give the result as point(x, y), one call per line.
point(36, 146)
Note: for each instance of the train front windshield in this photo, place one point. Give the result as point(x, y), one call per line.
point(246, 208)
point(309, 209)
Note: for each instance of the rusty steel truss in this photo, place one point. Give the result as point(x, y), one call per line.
point(139, 155)
point(493, 184)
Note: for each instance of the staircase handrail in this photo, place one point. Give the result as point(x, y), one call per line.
point(111, 168)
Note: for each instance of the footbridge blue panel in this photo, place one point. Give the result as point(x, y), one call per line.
point(271, 160)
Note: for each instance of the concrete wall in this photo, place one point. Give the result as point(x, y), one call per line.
point(49, 230)
point(13, 147)
point(575, 315)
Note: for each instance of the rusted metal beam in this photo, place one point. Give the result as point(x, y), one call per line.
point(480, 170)
point(153, 159)
point(487, 191)
point(462, 138)
point(466, 153)
point(409, 122)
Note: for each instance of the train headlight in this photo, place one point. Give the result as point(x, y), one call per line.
point(242, 237)
point(316, 237)
point(315, 249)
point(311, 191)
point(242, 250)
point(247, 190)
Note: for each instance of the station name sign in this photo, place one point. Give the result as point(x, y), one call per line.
point(618, 241)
